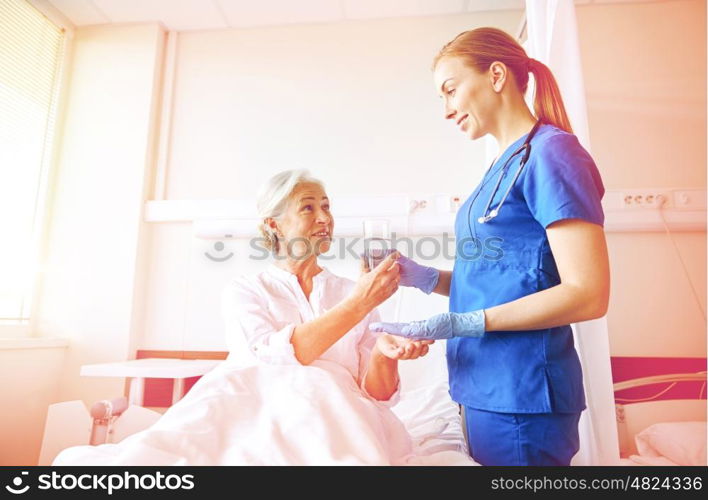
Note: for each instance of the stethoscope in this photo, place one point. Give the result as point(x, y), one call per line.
point(488, 214)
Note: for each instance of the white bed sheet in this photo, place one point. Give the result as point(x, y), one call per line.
point(670, 443)
point(434, 422)
point(226, 422)
point(429, 414)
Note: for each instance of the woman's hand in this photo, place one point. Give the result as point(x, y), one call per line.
point(376, 286)
point(425, 279)
point(382, 375)
point(399, 348)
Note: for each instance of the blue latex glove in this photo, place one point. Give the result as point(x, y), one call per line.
point(440, 326)
point(413, 274)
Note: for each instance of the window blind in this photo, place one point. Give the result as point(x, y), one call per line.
point(31, 51)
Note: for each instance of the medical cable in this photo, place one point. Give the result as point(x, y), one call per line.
point(667, 378)
point(649, 398)
point(662, 200)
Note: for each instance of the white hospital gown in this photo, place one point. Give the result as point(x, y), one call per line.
point(261, 313)
point(261, 406)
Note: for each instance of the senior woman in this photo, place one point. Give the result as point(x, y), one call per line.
point(306, 381)
point(297, 311)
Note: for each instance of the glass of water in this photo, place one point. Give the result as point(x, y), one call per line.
point(377, 241)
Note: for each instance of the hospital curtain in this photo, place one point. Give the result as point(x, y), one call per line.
point(31, 49)
point(553, 40)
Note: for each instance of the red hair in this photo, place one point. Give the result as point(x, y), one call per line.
point(480, 47)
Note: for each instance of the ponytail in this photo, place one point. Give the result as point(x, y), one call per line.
point(547, 101)
point(481, 47)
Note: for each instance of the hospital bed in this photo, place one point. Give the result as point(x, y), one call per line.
point(425, 408)
point(661, 417)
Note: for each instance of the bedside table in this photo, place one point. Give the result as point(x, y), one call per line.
point(138, 370)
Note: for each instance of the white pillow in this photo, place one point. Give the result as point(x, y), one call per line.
point(680, 442)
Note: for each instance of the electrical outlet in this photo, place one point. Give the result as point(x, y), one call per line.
point(446, 203)
point(418, 205)
point(647, 198)
point(455, 203)
point(690, 199)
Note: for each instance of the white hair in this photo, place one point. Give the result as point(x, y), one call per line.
point(272, 200)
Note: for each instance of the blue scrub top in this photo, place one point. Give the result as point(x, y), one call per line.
point(535, 371)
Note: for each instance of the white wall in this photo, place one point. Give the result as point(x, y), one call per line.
point(29, 385)
point(645, 79)
point(353, 101)
point(653, 311)
point(94, 265)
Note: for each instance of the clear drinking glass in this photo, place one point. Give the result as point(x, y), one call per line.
point(377, 240)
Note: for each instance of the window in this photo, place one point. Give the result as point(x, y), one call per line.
point(31, 52)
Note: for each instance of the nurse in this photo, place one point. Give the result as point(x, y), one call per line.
point(531, 258)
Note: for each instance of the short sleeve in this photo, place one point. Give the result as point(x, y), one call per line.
point(563, 182)
point(365, 346)
point(251, 331)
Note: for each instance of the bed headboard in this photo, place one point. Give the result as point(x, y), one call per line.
point(652, 390)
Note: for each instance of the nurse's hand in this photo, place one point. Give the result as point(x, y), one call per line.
point(438, 327)
point(413, 274)
point(401, 349)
